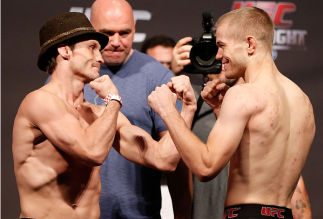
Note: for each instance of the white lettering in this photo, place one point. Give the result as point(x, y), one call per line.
point(140, 15)
point(301, 37)
point(77, 9)
point(289, 37)
point(280, 37)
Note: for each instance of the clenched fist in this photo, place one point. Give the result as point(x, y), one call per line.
point(213, 93)
point(162, 99)
point(103, 86)
point(181, 85)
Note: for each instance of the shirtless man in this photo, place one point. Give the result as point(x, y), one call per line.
point(60, 140)
point(264, 127)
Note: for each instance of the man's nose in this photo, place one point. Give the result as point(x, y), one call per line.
point(219, 54)
point(115, 40)
point(99, 58)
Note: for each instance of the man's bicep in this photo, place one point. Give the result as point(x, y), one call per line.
point(228, 130)
point(136, 145)
point(122, 120)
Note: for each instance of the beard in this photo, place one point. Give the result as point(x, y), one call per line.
point(114, 58)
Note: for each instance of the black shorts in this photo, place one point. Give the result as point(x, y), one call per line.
point(256, 211)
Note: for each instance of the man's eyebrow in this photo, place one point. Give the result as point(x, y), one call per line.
point(104, 30)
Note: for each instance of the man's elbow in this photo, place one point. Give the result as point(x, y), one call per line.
point(205, 174)
point(167, 166)
point(95, 159)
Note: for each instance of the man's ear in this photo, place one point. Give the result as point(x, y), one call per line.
point(64, 50)
point(252, 45)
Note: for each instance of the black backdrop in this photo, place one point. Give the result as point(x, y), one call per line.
point(299, 56)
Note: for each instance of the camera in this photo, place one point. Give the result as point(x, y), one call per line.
point(204, 49)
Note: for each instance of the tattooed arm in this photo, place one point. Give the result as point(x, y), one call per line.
point(300, 202)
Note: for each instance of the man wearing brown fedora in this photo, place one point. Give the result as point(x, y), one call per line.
point(60, 140)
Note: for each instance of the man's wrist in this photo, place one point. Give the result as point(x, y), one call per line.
point(110, 97)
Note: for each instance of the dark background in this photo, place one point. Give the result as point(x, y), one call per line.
point(21, 21)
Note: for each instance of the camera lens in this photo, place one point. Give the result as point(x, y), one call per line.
point(203, 55)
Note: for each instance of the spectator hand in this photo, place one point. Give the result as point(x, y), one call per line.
point(103, 86)
point(181, 55)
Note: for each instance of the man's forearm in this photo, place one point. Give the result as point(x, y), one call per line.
point(300, 202)
point(191, 149)
point(100, 134)
point(167, 150)
point(187, 113)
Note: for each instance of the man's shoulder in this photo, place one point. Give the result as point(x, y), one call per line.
point(39, 96)
point(241, 91)
point(245, 96)
point(36, 104)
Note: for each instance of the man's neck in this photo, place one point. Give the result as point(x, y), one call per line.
point(258, 67)
point(67, 87)
point(239, 81)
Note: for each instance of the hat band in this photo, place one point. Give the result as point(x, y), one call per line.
point(65, 34)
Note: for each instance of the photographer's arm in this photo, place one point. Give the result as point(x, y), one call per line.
point(181, 55)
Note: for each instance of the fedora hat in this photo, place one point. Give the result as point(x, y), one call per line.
point(63, 27)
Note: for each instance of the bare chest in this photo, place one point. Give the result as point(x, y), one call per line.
point(86, 114)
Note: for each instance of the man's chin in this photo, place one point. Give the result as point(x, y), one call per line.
point(88, 80)
point(108, 61)
point(112, 63)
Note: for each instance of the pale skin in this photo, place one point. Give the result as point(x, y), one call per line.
point(181, 193)
point(115, 19)
point(300, 200)
point(60, 140)
point(162, 54)
point(265, 127)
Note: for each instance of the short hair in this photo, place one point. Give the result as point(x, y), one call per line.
point(52, 54)
point(249, 20)
point(159, 40)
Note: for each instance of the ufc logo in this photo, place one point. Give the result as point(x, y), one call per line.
point(268, 211)
point(229, 213)
point(275, 10)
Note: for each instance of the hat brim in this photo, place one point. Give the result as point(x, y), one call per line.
point(43, 56)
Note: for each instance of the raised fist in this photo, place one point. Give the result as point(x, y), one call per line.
point(162, 99)
point(213, 93)
point(103, 86)
point(181, 85)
